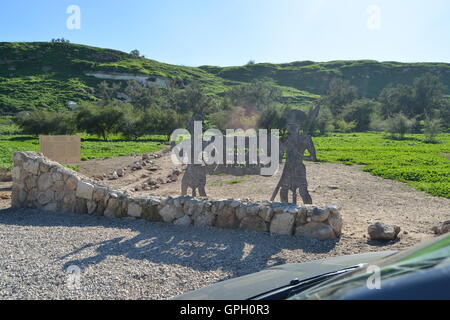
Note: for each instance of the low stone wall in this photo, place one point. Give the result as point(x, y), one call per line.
point(44, 184)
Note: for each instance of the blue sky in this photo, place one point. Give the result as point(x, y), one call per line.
point(231, 32)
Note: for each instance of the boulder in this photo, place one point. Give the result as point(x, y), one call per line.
point(91, 206)
point(85, 190)
point(282, 223)
point(336, 224)
point(99, 193)
point(31, 182)
point(58, 186)
point(302, 216)
point(134, 210)
point(69, 202)
point(81, 206)
point(31, 166)
point(183, 221)
point(253, 223)
point(72, 183)
point(45, 197)
point(44, 182)
point(227, 218)
point(266, 213)
point(316, 230)
point(150, 213)
point(318, 214)
point(205, 219)
point(112, 207)
point(442, 228)
point(57, 176)
point(113, 176)
point(15, 174)
point(170, 213)
point(381, 231)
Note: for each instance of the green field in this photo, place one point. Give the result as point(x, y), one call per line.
point(422, 165)
point(91, 147)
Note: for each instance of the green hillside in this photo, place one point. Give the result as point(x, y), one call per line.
point(48, 75)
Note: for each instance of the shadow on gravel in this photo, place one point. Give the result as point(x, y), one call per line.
point(203, 249)
point(379, 243)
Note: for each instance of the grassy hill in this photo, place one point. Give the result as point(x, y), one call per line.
point(48, 75)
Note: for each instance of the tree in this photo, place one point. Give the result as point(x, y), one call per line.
point(133, 125)
point(169, 120)
point(272, 117)
point(258, 94)
point(428, 91)
point(220, 119)
point(396, 99)
point(360, 111)
point(108, 93)
point(100, 120)
point(339, 94)
point(420, 100)
point(135, 54)
point(143, 97)
point(193, 99)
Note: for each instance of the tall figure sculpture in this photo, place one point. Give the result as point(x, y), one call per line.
point(293, 177)
point(195, 175)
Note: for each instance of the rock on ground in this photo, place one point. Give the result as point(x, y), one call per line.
point(381, 231)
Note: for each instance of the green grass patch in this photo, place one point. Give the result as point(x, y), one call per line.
point(91, 147)
point(421, 165)
point(234, 181)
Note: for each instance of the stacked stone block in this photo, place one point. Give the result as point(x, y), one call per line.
point(43, 184)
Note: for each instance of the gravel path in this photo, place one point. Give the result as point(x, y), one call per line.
point(132, 259)
point(135, 259)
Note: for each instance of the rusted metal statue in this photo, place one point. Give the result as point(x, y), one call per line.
point(293, 177)
point(195, 175)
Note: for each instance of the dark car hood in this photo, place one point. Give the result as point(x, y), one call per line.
point(248, 286)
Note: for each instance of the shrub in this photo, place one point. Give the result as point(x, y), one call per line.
point(100, 120)
point(344, 126)
point(398, 125)
point(324, 122)
point(432, 127)
point(45, 122)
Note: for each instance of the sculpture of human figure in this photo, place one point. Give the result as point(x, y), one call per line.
point(293, 177)
point(195, 175)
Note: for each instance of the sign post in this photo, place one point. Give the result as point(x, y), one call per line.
point(66, 149)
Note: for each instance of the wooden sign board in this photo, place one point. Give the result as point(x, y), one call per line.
point(66, 149)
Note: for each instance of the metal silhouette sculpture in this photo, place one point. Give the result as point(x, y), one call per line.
point(293, 177)
point(195, 175)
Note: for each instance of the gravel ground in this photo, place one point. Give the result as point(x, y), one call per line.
point(135, 259)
